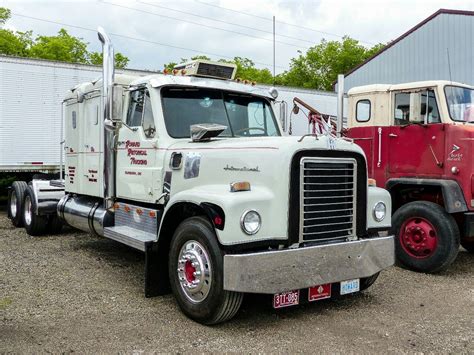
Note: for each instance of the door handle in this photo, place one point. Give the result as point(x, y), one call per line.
point(393, 135)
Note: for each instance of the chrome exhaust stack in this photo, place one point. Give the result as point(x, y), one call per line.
point(340, 104)
point(108, 72)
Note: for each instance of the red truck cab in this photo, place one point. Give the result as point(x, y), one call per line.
point(418, 139)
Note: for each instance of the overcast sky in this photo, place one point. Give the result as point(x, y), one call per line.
point(369, 21)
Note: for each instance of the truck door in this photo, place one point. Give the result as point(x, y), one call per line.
point(416, 135)
point(138, 171)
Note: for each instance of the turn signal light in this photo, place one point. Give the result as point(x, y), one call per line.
point(240, 186)
point(371, 182)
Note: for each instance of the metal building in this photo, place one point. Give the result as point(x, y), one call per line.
point(438, 48)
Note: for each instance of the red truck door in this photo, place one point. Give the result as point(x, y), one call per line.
point(416, 137)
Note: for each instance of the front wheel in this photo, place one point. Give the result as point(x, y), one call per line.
point(196, 274)
point(426, 237)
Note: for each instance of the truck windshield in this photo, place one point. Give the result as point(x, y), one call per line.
point(460, 103)
point(244, 115)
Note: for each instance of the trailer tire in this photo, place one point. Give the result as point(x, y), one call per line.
point(55, 224)
point(35, 225)
point(194, 249)
point(468, 245)
point(15, 202)
point(427, 238)
point(366, 282)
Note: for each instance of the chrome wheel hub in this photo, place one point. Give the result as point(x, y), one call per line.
point(13, 210)
point(27, 210)
point(194, 271)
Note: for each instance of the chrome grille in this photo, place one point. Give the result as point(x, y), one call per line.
point(328, 197)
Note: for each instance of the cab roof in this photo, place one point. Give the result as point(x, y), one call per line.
point(404, 86)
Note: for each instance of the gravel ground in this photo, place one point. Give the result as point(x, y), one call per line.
point(78, 293)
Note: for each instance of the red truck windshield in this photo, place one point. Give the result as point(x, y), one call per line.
point(244, 115)
point(460, 103)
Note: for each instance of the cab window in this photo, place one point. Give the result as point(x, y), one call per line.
point(363, 110)
point(140, 113)
point(418, 107)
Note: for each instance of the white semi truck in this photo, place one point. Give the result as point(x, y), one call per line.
point(193, 170)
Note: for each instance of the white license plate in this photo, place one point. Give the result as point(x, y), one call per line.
point(350, 286)
point(286, 299)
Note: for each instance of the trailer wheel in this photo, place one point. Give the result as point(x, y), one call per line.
point(35, 225)
point(366, 282)
point(468, 245)
point(196, 274)
point(426, 237)
point(15, 202)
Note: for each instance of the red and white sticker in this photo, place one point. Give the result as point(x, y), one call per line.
point(319, 292)
point(286, 299)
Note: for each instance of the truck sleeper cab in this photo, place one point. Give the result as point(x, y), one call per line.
point(418, 141)
point(193, 171)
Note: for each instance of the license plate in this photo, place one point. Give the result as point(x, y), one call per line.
point(319, 292)
point(350, 286)
point(286, 299)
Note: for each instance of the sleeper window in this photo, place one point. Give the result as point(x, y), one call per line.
point(363, 111)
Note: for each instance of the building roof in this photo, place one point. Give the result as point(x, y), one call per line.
point(403, 86)
point(410, 31)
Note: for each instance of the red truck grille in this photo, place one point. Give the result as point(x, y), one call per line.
point(327, 198)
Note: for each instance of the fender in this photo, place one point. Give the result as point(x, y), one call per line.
point(452, 193)
point(233, 205)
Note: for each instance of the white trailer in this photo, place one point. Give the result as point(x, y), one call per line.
point(31, 92)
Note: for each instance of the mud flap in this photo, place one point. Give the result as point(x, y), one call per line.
point(156, 273)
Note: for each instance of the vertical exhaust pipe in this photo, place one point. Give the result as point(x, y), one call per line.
point(340, 103)
point(108, 72)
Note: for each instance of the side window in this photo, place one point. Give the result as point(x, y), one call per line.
point(417, 106)
point(363, 110)
point(135, 109)
point(148, 120)
point(428, 99)
point(402, 109)
point(74, 119)
point(140, 112)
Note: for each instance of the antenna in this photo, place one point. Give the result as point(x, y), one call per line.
point(449, 65)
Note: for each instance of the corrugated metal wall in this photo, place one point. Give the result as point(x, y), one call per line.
point(423, 55)
point(31, 92)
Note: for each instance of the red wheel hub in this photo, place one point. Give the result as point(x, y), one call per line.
point(418, 237)
point(189, 271)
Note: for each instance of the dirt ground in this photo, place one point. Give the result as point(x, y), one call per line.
point(77, 293)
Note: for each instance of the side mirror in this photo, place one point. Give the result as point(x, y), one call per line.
point(117, 107)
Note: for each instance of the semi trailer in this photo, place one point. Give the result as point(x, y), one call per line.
point(192, 168)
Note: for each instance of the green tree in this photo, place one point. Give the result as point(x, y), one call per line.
point(61, 47)
point(319, 66)
point(120, 60)
point(4, 15)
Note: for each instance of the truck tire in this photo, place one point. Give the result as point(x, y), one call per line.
point(196, 274)
point(35, 225)
point(366, 282)
point(468, 245)
point(426, 237)
point(15, 202)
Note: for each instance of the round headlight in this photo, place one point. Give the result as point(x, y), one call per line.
point(379, 211)
point(250, 222)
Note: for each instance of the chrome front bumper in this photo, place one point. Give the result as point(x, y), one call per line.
point(292, 269)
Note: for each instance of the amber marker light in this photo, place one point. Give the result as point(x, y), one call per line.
point(139, 211)
point(127, 209)
point(116, 206)
point(240, 186)
point(371, 182)
point(152, 214)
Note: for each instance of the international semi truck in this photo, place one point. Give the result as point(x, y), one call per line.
point(192, 168)
point(418, 139)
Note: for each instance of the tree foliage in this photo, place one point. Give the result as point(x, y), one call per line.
point(61, 47)
point(319, 66)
